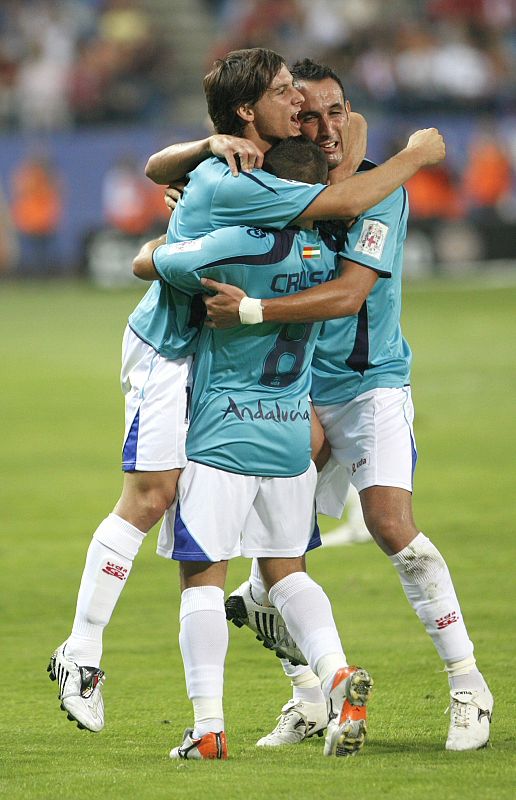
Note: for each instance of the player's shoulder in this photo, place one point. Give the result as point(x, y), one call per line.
point(393, 204)
point(212, 168)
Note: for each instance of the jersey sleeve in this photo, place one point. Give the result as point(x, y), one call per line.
point(183, 264)
point(373, 238)
point(262, 199)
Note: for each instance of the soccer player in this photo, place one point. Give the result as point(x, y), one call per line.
point(361, 393)
point(254, 92)
point(249, 469)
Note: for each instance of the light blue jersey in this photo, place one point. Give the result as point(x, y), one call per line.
point(250, 412)
point(213, 198)
point(367, 351)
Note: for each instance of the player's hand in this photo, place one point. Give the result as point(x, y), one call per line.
point(428, 146)
point(173, 194)
point(222, 308)
point(241, 154)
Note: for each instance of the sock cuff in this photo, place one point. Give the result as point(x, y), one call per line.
point(420, 560)
point(287, 587)
point(201, 598)
point(120, 536)
point(462, 667)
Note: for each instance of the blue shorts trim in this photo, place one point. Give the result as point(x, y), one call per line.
point(130, 446)
point(315, 539)
point(185, 546)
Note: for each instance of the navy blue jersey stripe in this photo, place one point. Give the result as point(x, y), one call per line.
point(257, 180)
point(358, 358)
point(282, 245)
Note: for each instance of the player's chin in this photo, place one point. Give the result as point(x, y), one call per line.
point(334, 158)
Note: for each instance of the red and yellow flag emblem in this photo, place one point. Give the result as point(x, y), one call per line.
point(311, 252)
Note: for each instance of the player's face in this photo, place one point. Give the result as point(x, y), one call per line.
point(324, 118)
point(275, 114)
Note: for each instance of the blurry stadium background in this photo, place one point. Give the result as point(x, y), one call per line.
point(90, 88)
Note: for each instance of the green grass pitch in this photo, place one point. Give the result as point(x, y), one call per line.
point(61, 421)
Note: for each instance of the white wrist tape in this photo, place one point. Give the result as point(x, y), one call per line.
point(250, 311)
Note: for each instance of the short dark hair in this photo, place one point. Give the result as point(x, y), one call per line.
point(243, 76)
point(308, 70)
point(297, 159)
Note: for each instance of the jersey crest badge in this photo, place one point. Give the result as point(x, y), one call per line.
point(372, 238)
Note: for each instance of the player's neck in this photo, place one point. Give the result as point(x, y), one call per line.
point(252, 134)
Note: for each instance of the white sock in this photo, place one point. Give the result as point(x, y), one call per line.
point(464, 675)
point(203, 639)
point(305, 683)
point(109, 560)
point(429, 589)
point(258, 590)
point(307, 612)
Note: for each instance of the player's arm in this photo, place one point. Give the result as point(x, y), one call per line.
point(341, 297)
point(143, 264)
point(352, 196)
point(176, 161)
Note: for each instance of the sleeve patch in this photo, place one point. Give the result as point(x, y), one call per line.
point(185, 247)
point(372, 238)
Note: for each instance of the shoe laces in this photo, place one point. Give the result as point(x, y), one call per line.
point(460, 712)
point(285, 719)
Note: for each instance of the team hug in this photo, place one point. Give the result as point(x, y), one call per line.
point(264, 371)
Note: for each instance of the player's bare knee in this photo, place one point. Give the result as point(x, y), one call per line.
point(156, 500)
point(391, 531)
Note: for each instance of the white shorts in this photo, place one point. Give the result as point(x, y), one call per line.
point(220, 515)
point(372, 443)
point(156, 393)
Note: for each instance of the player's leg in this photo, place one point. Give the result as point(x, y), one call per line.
point(203, 639)
point(211, 510)
point(155, 391)
point(428, 586)
point(277, 532)
point(385, 485)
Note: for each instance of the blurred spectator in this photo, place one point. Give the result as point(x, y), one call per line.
point(433, 194)
point(37, 211)
point(129, 198)
point(276, 24)
point(487, 177)
point(41, 102)
point(135, 87)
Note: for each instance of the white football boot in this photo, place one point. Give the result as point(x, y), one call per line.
point(209, 746)
point(265, 621)
point(297, 721)
point(470, 719)
point(80, 690)
point(347, 728)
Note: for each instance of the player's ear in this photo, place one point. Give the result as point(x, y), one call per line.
point(347, 106)
point(246, 112)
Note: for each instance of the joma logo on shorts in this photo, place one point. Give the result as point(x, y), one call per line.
point(357, 464)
